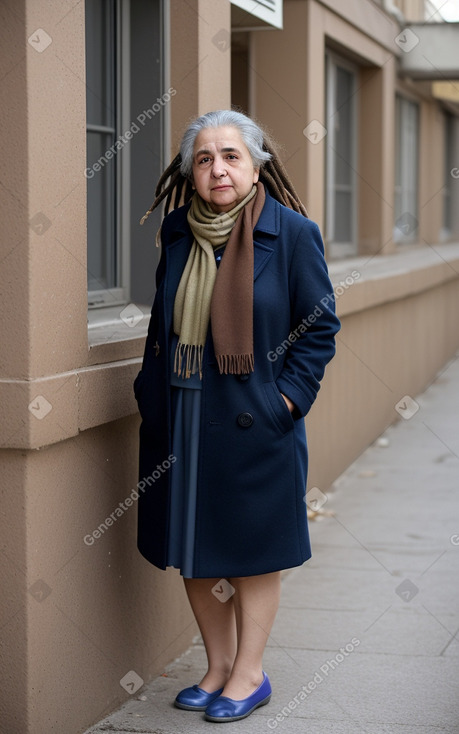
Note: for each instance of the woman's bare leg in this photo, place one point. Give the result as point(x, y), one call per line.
point(256, 602)
point(217, 623)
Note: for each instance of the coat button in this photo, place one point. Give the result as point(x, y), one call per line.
point(245, 420)
point(243, 378)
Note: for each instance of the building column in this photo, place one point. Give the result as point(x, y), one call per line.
point(200, 61)
point(43, 330)
point(314, 130)
point(431, 172)
point(289, 96)
point(376, 168)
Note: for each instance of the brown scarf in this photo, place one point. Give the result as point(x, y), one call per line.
point(225, 296)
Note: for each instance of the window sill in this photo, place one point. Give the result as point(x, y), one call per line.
point(375, 280)
point(117, 333)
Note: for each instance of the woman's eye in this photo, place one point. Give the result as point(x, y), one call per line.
point(203, 160)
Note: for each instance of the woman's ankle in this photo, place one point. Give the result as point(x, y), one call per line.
point(212, 681)
point(245, 675)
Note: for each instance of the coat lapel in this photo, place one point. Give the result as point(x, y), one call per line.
point(177, 255)
point(261, 256)
point(269, 225)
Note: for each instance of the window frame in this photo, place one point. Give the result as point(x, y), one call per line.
point(105, 305)
point(117, 295)
point(337, 250)
point(446, 232)
point(403, 102)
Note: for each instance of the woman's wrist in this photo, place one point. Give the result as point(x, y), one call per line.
point(291, 406)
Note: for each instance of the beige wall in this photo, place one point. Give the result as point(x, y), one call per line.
point(376, 167)
point(200, 60)
point(413, 10)
point(108, 610)
point(290, 95)
point(399, 326)
point(75, 618)
point(78, 617)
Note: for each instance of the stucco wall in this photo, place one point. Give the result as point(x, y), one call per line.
point(79, 616)
point(398, 330)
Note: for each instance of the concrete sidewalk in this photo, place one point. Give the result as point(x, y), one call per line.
point(366, 638)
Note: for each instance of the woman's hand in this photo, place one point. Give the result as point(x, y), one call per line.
point(290, 405)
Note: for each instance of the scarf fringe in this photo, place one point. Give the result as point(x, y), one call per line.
point(188, 360)
point(235, 364)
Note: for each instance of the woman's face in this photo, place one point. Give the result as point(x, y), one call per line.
point(223, 172)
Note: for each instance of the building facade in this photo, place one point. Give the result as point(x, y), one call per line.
point(96, 98)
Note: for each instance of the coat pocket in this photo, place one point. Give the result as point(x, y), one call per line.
point(278, 407)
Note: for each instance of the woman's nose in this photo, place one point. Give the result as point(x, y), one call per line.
point(218, 169)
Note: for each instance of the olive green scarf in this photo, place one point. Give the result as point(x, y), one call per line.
point(225, 297)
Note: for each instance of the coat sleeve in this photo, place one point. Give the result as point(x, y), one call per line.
point(313, 321)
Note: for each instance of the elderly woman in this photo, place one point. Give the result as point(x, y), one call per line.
point(241, 330)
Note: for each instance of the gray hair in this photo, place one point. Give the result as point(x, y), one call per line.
point(251, 134)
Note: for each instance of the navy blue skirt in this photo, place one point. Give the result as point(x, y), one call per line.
point(186, 411)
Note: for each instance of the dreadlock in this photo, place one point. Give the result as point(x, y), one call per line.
point(178, 190)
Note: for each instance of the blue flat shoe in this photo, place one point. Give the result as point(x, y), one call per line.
point(195, 698)
point(227, 709)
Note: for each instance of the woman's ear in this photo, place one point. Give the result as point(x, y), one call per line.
point(256, 175)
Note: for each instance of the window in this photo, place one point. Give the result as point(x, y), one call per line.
point(406, 170)
point(127, 110)
point(341, 152)
point(104, 168)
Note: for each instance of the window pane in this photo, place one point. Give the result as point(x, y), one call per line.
point(146, 151)
point(398, 146)
point(101, 135)
point(343, 126)
point(341, 159)
point(406, 170)
point(100, 53)
point(100, 208)
point(343, 216)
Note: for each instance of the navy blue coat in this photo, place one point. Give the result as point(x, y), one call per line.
point(251, 514)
